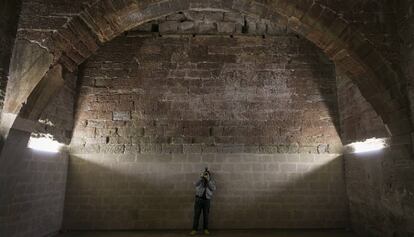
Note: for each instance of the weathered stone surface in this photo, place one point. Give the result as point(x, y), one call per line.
point(195, 22)
point(359, 121)
point(35, 183)
point(9, 12)
point(121, 115)
point(189, 91)
point(377, 187)
point(43, 93)
point(226, 27)
point(253, 191)
point(385, 27)
point(29, 64)
point(169, 26)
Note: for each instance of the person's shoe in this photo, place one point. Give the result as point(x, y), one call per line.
point(193, 232)
point(206, 232)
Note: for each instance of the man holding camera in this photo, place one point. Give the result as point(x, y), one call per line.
point(205, 187)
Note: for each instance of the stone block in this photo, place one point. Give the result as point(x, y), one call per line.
point(176, 17)
point(234, 17)
point(207, 27)
point(168, 27)
point(187, 26)
point(226, 27)
point(194, 15)
point(112, 148)
point(213, 17)
point(193, 148)
point(121, 115)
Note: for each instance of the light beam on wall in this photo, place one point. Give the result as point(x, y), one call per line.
point(46, 144)
point(369, 145)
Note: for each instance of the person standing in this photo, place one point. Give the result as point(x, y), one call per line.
point(204, 187)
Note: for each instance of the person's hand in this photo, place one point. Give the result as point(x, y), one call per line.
point(206, 176)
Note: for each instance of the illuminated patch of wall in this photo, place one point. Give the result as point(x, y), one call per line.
point(368, 145)
point(45, 143)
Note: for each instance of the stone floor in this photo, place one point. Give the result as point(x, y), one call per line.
point(222, 233)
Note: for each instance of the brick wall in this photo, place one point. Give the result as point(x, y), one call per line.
point(33, 187)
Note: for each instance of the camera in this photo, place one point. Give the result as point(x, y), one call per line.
point(206, 173)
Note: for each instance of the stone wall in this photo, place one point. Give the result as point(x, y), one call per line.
point(39, 18)
point(58, 117)
point(211, 23)
point(35, 182)
point(379, 188)
point(207, 94)
point(155, 191)
point(384, 25)
point(406, 36)
point(379, 184)
point(376, 19)
point(9, 13)
point(154, 111)
point(34, 185)
point(358, 119)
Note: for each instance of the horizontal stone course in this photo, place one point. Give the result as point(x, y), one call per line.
point(261, 186)
point(208, 94)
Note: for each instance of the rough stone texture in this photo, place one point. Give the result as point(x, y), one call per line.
point(338, 30)
point(383, 25)
point(380, 184)
point(34, 183)
point(217, 23)
point(30, 62)
point(155, 191)
point(406, 35)
point(58, 117)
point(218, 233)
point(39, 18)
point(145, 101)
point(375, 18)
point(207, 94)
point(9, 12)
point(380, 192)
point(359, 121)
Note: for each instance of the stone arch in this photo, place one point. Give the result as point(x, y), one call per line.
point(351, 51)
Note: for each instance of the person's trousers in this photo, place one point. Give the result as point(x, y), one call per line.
point(201, 205)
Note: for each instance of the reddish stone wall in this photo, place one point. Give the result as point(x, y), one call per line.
point(207, 94)
point(39, 18)
point(152, 112)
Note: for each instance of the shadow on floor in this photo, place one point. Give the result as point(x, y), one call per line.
point(218, 233)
